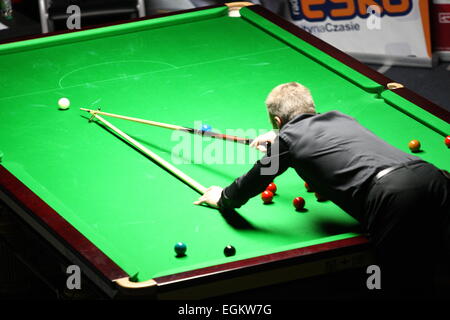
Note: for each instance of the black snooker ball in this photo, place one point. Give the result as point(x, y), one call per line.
point(229, 251)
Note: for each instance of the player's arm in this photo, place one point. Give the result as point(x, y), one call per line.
point(253, 182)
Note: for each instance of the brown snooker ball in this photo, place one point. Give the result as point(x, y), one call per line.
point(414, 145)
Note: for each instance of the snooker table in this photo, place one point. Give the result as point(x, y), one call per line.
point(92, 200)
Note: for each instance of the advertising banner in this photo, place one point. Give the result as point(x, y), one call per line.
point(395, 32)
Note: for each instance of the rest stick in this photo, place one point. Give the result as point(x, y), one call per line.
point(172, 127)
point(178, 173)
point(152, 123)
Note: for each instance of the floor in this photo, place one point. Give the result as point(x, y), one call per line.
point(431, 83)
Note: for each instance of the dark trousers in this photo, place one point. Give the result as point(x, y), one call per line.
point(408, 214)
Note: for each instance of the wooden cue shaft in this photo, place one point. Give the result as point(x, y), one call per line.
point(153, 123)
point(191, 182)
point(173, 127)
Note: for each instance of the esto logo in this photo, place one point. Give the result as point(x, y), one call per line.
point(319, 10)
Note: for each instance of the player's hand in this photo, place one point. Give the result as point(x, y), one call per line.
point(261, 141)
point(211, 197)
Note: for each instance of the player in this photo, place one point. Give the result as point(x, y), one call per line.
point(401, 201)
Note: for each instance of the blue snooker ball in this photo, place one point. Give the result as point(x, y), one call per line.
point(206, 127)
point(180, 249)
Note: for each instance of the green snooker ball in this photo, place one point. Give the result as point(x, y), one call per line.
point(180, 249)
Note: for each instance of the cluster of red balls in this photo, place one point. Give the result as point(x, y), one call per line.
point(298, 202)
point(267, 195)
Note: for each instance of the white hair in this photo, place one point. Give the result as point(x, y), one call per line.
point(289, 100)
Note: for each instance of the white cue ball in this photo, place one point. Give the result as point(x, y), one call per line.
point(64, 103)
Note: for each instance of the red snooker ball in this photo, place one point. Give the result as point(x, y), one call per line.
point(308, 188)
point(299, 203)
point(272, 188)
point(267, 196)
point(319, 197)
point(447, 141)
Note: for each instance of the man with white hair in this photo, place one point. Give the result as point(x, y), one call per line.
point(401, 201)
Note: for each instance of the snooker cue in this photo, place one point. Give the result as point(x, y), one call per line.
point(168, 166)
point(173, 127)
